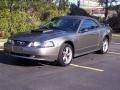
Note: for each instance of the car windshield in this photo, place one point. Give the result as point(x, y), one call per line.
point(67, 24)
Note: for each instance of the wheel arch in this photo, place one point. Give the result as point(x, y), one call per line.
point(107, 37)
point(72, 45)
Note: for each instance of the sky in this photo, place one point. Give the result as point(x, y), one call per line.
point(73, 1)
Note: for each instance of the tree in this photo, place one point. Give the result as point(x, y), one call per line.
point(75, 10)
point(106, 4)
point(23, 15)
point(116, 7)
point(62, 4)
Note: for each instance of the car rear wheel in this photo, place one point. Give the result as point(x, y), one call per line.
point(105, 46)
point(65, 55)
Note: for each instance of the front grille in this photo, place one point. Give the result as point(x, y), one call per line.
point(21, 43)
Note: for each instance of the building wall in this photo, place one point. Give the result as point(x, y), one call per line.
point(93, 7)
point(88, 3)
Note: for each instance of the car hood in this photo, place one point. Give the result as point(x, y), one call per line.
point(40, 35)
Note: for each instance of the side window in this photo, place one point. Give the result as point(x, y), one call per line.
point(88, 24)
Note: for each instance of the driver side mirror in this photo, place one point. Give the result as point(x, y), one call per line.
point(93, 27)
point(84, 30)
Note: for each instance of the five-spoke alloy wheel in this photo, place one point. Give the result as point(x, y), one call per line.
point(65, 55)
point(105, 46)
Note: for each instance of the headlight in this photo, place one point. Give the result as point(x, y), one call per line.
point(48, 44)
point(9, 41)
point(35, 44)
point(42, 45)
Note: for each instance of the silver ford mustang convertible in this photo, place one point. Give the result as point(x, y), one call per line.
point(61, 39)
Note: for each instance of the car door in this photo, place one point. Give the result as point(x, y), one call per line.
point(88, 36)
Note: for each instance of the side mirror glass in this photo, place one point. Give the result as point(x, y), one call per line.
point(84, 30)
point(92, 27)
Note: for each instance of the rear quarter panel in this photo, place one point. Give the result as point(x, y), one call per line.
point(105, 31)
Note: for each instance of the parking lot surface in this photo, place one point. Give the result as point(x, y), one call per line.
point(87, 72)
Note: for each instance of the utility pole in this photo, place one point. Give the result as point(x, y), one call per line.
point(78, 3)
point(10, 3)
point(106, 9)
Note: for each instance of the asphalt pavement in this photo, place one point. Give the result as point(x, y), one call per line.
point(87, 72)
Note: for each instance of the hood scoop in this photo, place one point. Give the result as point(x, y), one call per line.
point(40, 31)
point(36, 31)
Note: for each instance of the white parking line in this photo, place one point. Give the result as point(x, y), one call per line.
point(89, 68)
point(114, 53)
point(115, 43)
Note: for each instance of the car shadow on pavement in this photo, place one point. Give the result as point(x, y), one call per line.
point(6, 59)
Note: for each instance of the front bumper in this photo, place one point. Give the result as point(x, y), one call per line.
point(50, 53)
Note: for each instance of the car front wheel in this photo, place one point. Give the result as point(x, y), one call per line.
point(65, 55)
point(105, 46)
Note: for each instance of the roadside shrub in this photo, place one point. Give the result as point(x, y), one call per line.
point(114, 22)
point(75, 10)
point(16, 21)
point(26, 15)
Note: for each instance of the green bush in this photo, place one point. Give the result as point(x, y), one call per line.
point(114, 22)
point(16, 21)
point(23, 17)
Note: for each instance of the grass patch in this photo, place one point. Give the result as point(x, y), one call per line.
point(116, 35)
point(3, 40)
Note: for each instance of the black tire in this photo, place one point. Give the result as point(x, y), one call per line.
point(60, 59)
point(103, 50)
